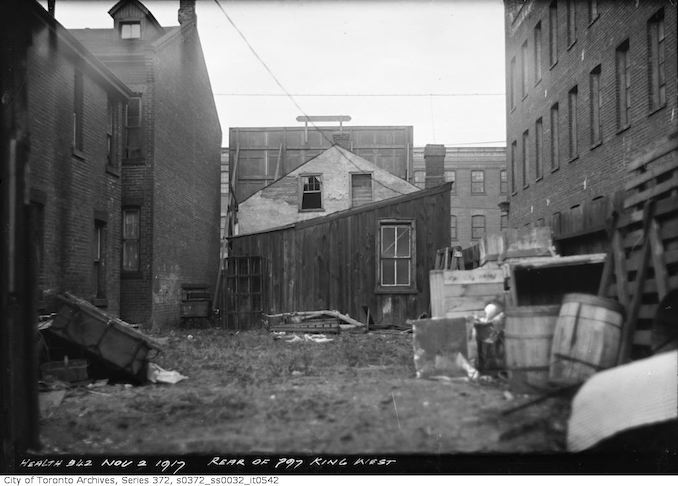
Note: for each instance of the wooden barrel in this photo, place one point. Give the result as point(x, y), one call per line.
point(528, 336)
point(586, 339)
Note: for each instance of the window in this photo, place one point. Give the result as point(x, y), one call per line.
point(133, 129)
point(130, 30)
point(526, 156)
point(477, 227)
point(503, 222)
point(594, 79)
point(419, 178)
point(555, 137)
point(78, 104)
point(623, 76)
point(130, 239)
point(453, 228)
point(556, 222)
point(656, 57)
point(112, 133)
point(512, 83)
point(100, 259)
point(553, 32)
point(537, 53)
point(572, 122)
point(571, 22)
point(523, 70)
point(477, 182)
point(396, 253)
point(593, 10)
point(538, 149)
point(503, 183)
point(361, 189)
point(311, 192)
point(514, 149)
point(451, 176)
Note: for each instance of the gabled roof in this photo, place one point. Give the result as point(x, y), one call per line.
point(446, 187)
point(338, 154)
point(139, 5)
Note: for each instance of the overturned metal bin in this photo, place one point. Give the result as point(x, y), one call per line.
point(111, 340)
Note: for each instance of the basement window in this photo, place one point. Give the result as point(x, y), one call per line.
point(311, 192)
point(396, 255)
point(130, 30)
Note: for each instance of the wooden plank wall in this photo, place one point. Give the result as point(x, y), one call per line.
point(331, 262)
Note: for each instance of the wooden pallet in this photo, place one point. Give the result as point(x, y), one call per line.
point(642, 266)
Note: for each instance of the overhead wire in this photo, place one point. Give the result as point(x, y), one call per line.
point(287, 93)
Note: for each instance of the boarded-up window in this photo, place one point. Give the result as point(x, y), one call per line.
point(130, 239)
point(361, 189)
point(396, 254)
point(133, 129)
point(311, 192)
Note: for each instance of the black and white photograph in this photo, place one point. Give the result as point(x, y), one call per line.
point(251, 239)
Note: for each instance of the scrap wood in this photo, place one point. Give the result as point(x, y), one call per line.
point(307, 315)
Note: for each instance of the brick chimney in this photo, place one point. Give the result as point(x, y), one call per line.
point(343, 139)
point(51, 7)
point(186, 12)
point(434, 161)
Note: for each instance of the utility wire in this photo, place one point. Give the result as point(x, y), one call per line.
point(364, 95)
point(291, 97)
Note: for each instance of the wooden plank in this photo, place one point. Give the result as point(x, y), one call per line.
point(663, 207)
point(466, 304)
point(652, 192)
point(655, 170)
point(468, 290)
point(629, 325)
point(667, 231)
point(657, 253)
point(670, 144)
point(477, 275)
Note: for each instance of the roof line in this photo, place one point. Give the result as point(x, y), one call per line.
point(79, 49)
point(351, 211)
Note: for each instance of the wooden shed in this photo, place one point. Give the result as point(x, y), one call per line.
point(374, 257)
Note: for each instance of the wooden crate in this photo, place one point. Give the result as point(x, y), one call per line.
point(458, 293)
point(643, 260)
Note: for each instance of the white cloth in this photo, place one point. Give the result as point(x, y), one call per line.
point(639, 393)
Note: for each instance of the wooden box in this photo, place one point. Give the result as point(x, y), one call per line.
point(459, 293)
point(112, 341)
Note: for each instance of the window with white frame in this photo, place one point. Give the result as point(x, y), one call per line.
point(311, 192)
point(396, 254)
point(130, 30)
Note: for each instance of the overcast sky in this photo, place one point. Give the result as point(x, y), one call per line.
point(446, 55)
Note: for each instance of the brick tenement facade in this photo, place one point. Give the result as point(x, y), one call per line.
point(458, 166)
point(596, 47)
point(172, 169)
point(75, 180)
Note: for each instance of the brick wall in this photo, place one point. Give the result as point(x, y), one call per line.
point(186, 205)
point(599, 168)
point(73, 190)
point(463, 204)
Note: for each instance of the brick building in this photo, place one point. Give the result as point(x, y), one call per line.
point(479, 184)
point(334, 180)
point(75, 107)
point(589, 85)
point(171, 159)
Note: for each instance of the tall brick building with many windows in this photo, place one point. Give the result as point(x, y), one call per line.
point(171, 159)
point(75, 107)
point(590, 84)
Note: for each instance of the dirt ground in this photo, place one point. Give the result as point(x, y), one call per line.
point(250, 393)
